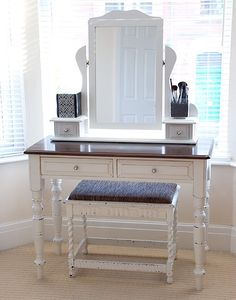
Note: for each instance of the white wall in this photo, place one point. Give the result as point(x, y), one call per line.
point(232, 110)
point(232, 86)
point(32, 77)
point(15, 199)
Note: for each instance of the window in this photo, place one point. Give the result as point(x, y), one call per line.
point(210, 7)
point(113, 6)
point(208, 83)
point(12, 139)
point(198, 30)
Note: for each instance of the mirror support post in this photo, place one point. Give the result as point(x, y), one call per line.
point(82, 63)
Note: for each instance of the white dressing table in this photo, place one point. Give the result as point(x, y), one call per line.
point(127, 96)
point(125, 161)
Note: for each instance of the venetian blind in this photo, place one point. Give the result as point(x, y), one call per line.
point(198, 30)
point(12, 139)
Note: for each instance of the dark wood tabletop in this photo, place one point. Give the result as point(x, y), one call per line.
point(201, 150)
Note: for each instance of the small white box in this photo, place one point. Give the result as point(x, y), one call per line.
point(70, 127)
point(180, 129)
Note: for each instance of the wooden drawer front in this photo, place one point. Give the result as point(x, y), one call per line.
point(179, 131)
point(155, 169)
point(77, 167)
point(66, 129)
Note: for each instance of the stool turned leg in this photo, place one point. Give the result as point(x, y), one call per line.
point(85, 234)
point(170, 246)
point(71, 247)
point(175, 231)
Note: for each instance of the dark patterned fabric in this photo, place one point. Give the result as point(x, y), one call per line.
point(124, 191)
point(68, 105)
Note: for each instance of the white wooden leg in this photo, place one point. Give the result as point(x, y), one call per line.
point(71, 247)
point(56, 213)
point(38, 223)
point(199, 241)
point(175, 231)
point(206, 212)
point(170, 246)
point(207, 216)
point(200, 187)
point(85, 234)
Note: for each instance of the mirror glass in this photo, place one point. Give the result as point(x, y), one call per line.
point(128, 77)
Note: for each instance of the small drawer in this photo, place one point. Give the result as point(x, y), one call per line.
point(66, 129)
point(77, 167)
point(179, 131)
point(155, 169)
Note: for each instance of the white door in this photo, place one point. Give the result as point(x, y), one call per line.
point(138, 56)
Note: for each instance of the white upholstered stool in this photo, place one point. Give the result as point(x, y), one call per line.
point(145, 200)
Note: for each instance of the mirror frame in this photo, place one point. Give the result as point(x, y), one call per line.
point(119, 19)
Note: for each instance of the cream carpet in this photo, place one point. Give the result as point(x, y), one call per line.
point(18, 279)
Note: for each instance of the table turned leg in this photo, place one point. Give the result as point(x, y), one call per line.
point(199, 241)
point(207, 216)
point(38, 224)
point(200, 190)
point(56, 213)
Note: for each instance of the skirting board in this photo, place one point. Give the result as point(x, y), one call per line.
point(233, 240)
point(221, 238)
point(16, 234)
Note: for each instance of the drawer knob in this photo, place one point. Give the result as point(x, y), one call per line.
point(154, 170)
point(76, 168)
point(179, 132)
point(66, 130)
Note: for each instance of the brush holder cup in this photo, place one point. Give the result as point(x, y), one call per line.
point(179, 110)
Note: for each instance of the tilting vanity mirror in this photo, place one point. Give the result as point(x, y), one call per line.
point(125, 71)
point(126, 66)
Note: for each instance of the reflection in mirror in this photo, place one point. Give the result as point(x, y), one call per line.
point(126, 75)
point(127, 70)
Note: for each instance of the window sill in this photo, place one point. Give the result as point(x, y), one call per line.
point(13, 159)
point(223, 162)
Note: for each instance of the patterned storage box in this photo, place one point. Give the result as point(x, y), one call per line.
point(68, 105)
